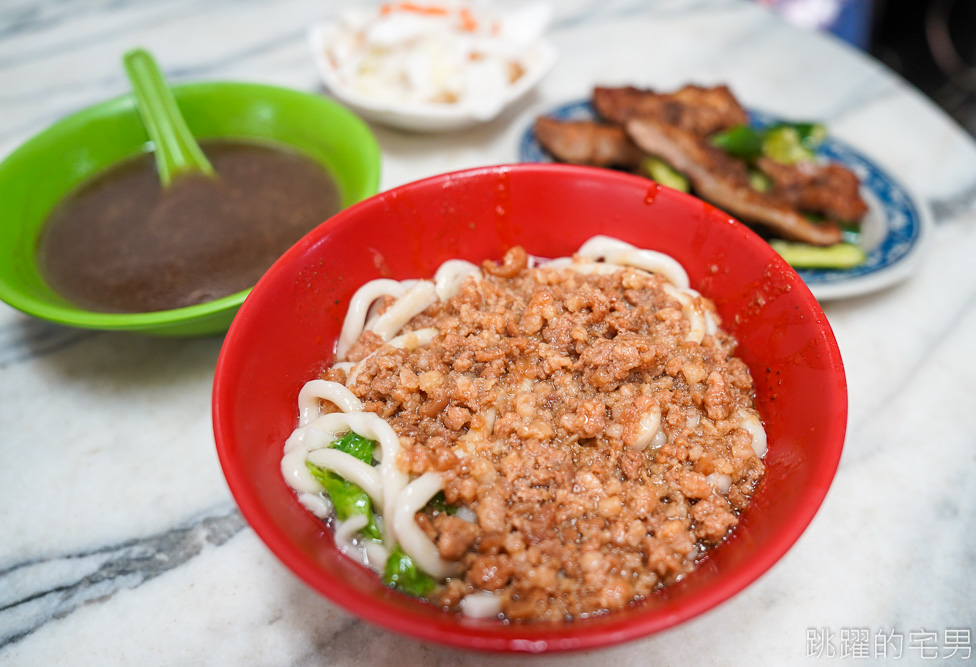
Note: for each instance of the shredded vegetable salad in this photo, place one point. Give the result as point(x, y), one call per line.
point(447, 53)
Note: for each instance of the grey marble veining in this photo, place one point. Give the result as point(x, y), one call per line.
point(37, 590)
point(119, 541)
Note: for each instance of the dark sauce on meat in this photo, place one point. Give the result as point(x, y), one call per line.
point(121, 243)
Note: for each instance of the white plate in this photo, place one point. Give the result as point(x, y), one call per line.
point(893, 232)
point(427, 117)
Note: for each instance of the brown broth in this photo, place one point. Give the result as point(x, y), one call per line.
point(121, 243)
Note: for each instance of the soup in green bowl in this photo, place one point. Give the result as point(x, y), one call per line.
point(64, 160)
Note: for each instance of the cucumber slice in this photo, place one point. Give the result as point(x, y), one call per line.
point(805, 256)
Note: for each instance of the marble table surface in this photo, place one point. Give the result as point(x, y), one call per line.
point(119, 540)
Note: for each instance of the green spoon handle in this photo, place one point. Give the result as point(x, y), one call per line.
point(177, 152)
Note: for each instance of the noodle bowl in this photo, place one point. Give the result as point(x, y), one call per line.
point(286, 335)
point(584, 421)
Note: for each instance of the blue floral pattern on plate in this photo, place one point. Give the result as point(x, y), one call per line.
point(893, 230)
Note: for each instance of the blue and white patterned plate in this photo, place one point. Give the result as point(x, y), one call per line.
point(892, 233)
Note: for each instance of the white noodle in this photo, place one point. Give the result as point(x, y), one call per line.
point(323, 390)
point(345, 530)
point(376, 555)
point(374, 310)
point(412, 538)
point(616, 251)
point(304, 439)
point(364, 551)
point(690, 309)
point(322, 431)
point(346, 465)
point(353, 325)
point(414, 339)
point(374, 427)
point(413, 302)
point(450, 275)
point(650, 426)
point(293, 465)
point(720, 482)
point(481, 605)
point(587, 268)
point(317, 504)
point(751, 423)
point(559, 263)
point(466, 513)
point(710, 326)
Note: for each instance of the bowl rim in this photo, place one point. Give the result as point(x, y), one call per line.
point(76, 316)
point(518, 638)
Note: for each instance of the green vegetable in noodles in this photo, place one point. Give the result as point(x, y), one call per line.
point(348, 498)
point(665, 174)
point(804, 256)
point(439, 504)
point(355, 444)
point(403, 574)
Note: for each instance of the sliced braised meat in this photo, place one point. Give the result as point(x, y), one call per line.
point(723, 181)
point(717, 98)
point(831, 190)
point(702, 111)
point(675, 127)
point(586, 142)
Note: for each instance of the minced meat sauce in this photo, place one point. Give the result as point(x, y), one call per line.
point(528, 402)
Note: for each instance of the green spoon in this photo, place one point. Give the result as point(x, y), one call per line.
point(177, 152)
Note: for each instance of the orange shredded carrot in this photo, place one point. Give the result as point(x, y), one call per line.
point(412, 7)
point(468, 22)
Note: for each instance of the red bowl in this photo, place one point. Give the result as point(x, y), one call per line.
point(286, 330)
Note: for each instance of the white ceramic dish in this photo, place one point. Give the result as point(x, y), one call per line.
point(537, 57)
point(893, 233)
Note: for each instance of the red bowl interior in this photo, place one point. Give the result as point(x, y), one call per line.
point(285, 332)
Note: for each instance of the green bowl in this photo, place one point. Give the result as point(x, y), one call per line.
point(41, 172)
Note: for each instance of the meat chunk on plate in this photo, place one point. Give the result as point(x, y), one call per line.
point(701, 111)
point(676, 127)
point(723, 181)
point(831, 190)
point(586, 142)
